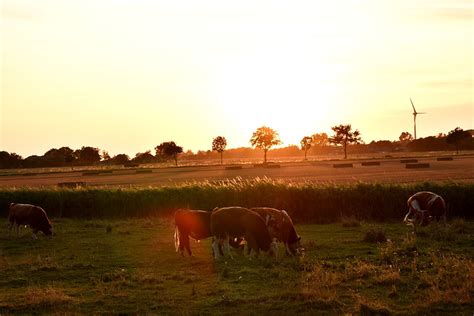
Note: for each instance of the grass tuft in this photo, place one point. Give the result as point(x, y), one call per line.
point(375, 235)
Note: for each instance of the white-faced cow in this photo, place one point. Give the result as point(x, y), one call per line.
point(280, 227)
point(423, 207)
point(231, 222)
point(31, 215)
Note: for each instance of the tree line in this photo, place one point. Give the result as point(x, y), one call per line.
point(263, 139)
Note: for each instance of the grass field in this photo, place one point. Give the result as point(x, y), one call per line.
point(130, 266)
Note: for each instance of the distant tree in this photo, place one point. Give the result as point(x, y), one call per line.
point(265, 138)
point(145, 157)
point(456, 136)
point(169, 149)
point(343, 135)
point(219, 144)
point(120, 159)
point(33, 161)
point(105, 155)
point(405, 137)
point(320, 139)
point(306, 143)
point(89, 155)
point(10, 160)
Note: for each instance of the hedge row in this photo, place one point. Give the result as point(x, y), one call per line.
point(304, 202)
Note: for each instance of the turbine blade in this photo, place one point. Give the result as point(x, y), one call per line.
point(414, 111)
point(421, 113)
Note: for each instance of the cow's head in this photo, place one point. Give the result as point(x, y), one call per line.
point(47, 230)
point(415, 217)
point(295, 247)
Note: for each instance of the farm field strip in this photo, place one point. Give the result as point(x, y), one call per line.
point(323, 172)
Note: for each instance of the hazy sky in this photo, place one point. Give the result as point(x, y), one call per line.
point(126, 75)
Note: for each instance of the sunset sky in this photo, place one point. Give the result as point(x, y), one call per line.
point(126, 75)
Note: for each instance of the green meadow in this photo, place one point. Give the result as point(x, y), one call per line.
point(130, 266)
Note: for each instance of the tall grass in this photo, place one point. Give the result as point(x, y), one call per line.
point(305, 202)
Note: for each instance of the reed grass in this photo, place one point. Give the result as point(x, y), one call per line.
point(305, 202)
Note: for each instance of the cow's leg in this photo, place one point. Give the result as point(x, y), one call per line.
point(251, 245)
point(33, 234)
point(215, 248)
point(17, 230)
point(288, 250)
point(227, 247)
point(184, 244)
point(11, 227)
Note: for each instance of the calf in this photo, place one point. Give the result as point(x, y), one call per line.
point(231, 222)
point(31, 215)
point(280, 226)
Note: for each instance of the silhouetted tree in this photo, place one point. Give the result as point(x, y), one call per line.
point(320, 139)
point(105, 155)
point(120, 159)
point(405, 137)
point(145, 157)
point(10, 160)
point(33, 161)
point(169, 149)
point(306, 143)
point(88, 155)
point(343, 135)
point(265, 138)
point(219, 144)
point(456, 136)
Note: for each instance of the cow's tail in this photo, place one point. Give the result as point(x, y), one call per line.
point(176, 238)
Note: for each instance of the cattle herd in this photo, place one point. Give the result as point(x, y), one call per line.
point(260, 228)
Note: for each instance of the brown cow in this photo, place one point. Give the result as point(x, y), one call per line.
point(231, 222)
point(31, 215)
point(423, 207)
point(190, 223)
point(195, 224)
point(280, 226)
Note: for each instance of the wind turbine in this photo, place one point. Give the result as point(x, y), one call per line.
point(415, 113)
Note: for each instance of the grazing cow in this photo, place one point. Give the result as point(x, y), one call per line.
point(423, 207)
point(195, 224)
point(31, 215)
point(231, 222)
point(190, 223)
point(280, 226)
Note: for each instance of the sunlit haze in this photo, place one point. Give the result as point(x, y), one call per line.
point(126, 75)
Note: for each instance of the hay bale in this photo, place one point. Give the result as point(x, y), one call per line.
point(272, 166)
point(71, 184)
point(409, 160)
point(342, 165)
point(370, 163)
point(143, 171)
point(444, 158)
point(233, 167)
point(417, 165)
point(131, 165)
point(91, 173)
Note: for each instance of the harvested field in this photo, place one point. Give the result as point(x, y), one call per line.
point(390, 171)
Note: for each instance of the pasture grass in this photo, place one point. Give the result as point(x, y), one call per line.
point(130, 266)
